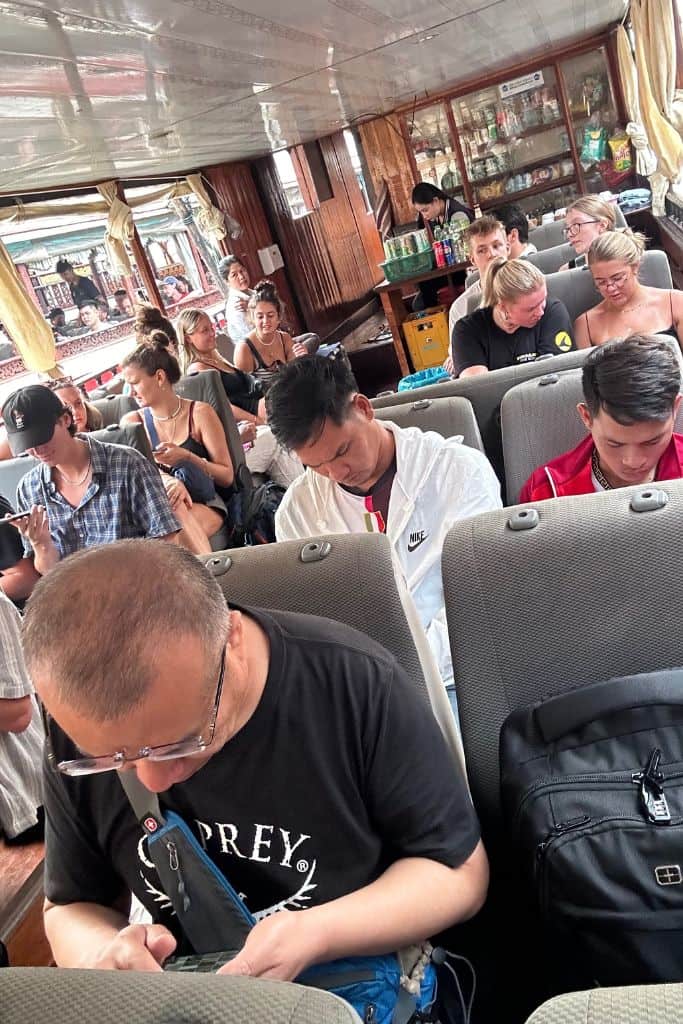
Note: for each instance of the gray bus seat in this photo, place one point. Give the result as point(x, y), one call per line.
point(539, 421)
point(447, 416)
point(225, 345)
point(550, 260)
point(207, 387)
point(485, 392)
point(350, 578)
point(633, 1004)
point(11, 472)
point(30, 994)
point(114, 407)
point(546, 598)
point(576, 290)
point(132, 434)
point(548, 235)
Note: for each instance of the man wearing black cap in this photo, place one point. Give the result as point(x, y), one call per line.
point(85, 492)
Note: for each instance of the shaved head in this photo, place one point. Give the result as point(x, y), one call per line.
point(94, 623)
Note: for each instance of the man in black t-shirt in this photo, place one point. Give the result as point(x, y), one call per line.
point(308, 767)
point(485, 340)
point(82, 288)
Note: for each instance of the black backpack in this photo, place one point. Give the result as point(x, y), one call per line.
point(592, 788)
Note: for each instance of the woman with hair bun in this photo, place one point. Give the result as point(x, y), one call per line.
point(187, 439)
point(148, 318)
point(267, 348)
point(628, 307)
point(516, 324)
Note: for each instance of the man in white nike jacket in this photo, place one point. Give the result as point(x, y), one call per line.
point(366, 475)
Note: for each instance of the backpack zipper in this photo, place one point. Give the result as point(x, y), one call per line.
point(559, 782)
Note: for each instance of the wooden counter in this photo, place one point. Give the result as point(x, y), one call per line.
point(395, 310)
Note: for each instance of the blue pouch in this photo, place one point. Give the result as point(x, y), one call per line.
point(372, 985)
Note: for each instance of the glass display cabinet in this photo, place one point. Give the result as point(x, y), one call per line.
point(430, 139)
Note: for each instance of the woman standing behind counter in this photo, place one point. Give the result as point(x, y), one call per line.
point(436, 209)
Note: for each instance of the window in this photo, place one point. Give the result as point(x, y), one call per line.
point(355, 152)
point(183, 263)
point(79, 300)
point(290, 183)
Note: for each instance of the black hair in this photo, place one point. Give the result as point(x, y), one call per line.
point(155, 354)
point(57, 311)
point(425, 193)
point(634, 380)
point(226, 263)
point(62, 265)
point(89, 302)
point(304, 394)
point(120, 291)
point(513, 216)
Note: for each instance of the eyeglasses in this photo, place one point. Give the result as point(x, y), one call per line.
point(163, 752)
point(573, 229)
point(616, 281)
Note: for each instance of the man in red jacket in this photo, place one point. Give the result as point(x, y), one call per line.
point(631, 397)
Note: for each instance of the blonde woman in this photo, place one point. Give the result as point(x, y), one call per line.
point(628, 307)
point(587, 218)
point(516, 323)
point(197, 350)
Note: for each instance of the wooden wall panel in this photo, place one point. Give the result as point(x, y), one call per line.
point(387, 159)
point(237, 194)
point(325, 252)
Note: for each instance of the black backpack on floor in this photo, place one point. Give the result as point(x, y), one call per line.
point(592, 787)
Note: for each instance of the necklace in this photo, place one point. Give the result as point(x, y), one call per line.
point(165, 419)
point(77, 483)
point(598, 473)
point(265, 344)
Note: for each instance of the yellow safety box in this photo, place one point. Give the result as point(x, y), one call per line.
point(426, 336)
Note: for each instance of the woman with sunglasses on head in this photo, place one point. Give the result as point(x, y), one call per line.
point(588, 217)
point(198, 353)
point(628, 307)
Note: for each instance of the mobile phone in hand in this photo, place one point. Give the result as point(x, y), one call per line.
point(13, 518)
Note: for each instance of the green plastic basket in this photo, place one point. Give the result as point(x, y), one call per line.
point(406, 266)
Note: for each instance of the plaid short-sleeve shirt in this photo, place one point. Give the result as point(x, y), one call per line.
point(126, 498)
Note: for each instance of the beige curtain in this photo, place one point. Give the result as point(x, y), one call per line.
point(119, 230)
point(646, 161)
point(28, 329)
point(210, 220)
point(655, 57)
point(660, 35)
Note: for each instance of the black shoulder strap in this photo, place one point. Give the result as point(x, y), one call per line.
point(143, 802)
point(256, 354)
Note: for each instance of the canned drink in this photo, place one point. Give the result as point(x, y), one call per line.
point(422, 239)
point(448, 250)
point(439, 254)
point(392, 248)
point(409, 244)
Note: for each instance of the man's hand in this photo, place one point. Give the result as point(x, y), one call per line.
point(138, 947)
point(35, 527)
point(281, 946)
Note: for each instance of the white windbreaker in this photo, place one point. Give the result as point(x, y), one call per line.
point(437, 482)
